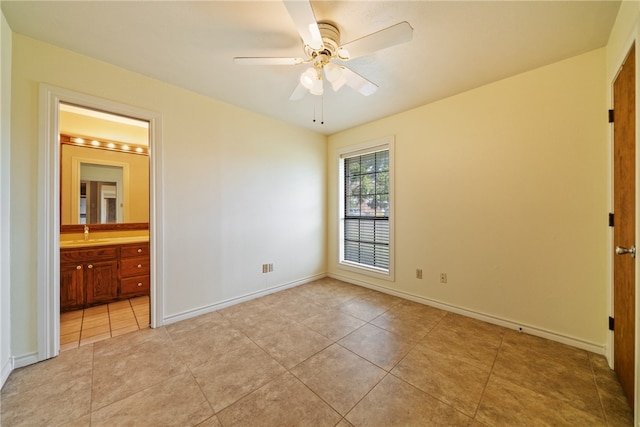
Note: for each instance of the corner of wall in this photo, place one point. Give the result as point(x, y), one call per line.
point(6, 361)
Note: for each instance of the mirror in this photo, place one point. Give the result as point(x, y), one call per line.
point(102, 180)
point(100, 196)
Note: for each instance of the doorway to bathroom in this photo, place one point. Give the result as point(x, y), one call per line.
point(98, 238)
point(104, 230)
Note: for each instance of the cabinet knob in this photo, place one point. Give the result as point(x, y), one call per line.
point(78, 267)
point(90, 266)
point(139, 284)
point(139, 250)
point(139, 265)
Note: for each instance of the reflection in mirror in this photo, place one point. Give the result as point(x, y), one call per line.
point(101, 193)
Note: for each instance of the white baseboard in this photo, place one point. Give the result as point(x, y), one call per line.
point(25, 360)
point(16, 362)
point(7, 368)
point(31, 358)
point(237, 300)
point(529, 329)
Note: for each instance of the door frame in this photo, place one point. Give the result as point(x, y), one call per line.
point(48, 210)
point(621, 56)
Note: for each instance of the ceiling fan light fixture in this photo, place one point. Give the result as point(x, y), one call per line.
point(308, 77)
point(333, 72)
point(318, 88)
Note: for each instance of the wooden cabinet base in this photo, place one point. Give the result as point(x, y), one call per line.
point(92, 276)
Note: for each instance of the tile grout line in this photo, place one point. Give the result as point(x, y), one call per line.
point(289, 370)
point(595, 381)
point(81, 328)
point(436, 397)
point(188, 367)
point(484, 389)
point(234, 326)
point(109, 322)
point(109, 318)
point(387, 373)
point(135, 392)
point(93, 364)
point(134, 313)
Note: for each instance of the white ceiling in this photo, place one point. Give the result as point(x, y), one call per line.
point(456, 46)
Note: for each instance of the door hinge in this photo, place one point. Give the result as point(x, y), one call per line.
point(611, 219)
point(610, 116)
point(611, 323)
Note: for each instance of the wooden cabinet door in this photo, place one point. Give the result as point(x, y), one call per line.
point(102, 281)
point(71, 286)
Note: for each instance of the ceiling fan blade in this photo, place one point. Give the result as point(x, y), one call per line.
point(305, 21)
point(298, 93)
point(359, 83)
point(247, 60)
point(390, 36)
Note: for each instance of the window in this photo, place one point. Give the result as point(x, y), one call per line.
point(365, 232)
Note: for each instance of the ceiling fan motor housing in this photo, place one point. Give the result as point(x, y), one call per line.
point(330, 38)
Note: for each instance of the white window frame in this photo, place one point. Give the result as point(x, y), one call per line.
point(386, 143)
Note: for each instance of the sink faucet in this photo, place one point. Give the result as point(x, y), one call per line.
point(86, 232)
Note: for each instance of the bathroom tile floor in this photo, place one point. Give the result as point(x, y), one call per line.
point(322, 354)
point(81, 327)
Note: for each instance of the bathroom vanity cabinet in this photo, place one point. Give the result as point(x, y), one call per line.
point(100, 274)
point(134, 270)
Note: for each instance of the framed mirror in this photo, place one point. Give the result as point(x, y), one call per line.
point(100, 193)
point(104, 182)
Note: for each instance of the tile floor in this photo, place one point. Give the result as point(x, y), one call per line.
point(97, 323)
point(322, 354)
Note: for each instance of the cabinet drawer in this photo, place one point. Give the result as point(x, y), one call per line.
point(134, 285)
point(93, 254)
point(134, 267)
point(132, 251)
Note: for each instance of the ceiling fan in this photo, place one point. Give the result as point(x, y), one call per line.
point(325, 53)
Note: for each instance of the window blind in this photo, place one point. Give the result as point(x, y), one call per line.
point(366, 209)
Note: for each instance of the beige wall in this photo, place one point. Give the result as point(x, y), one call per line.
point(138, 187)
point(505, 189)
point(623, 34)
point(239, 189)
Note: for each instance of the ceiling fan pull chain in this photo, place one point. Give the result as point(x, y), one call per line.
point(315, 103)
point(314, 110)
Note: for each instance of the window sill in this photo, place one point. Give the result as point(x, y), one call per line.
point(366, 270)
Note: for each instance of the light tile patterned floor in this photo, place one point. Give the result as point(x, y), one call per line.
point(81, 327)
point(322, 354)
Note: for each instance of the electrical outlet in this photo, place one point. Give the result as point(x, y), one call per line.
point(443, 277)
point(270, 268)
point(418, 273)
